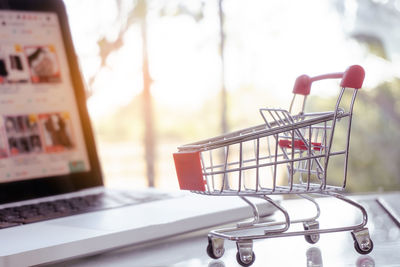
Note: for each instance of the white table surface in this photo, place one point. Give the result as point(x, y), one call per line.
point(334, 249)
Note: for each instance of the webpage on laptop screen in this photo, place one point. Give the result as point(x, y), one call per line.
point(40, 130)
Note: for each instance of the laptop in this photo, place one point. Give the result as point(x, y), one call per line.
point(53, 205)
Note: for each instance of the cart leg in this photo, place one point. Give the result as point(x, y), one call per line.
point(313, 237)
point(256, 214)
point(245, 255)
point(309, 198)
point(355, 204)
point(285, 214)
point(362, 241)
point(215, 248)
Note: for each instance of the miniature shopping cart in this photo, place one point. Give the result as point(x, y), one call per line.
point(287, 154)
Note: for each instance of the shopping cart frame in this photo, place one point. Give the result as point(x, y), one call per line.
point(291, 147)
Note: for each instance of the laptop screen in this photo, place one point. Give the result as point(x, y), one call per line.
point(40, 129)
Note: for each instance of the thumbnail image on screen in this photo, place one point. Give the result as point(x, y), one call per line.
point(43, 64)
point(57, 131)
point(22, 134)
point(13, 65)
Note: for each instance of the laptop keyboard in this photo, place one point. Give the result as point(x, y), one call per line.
point(71, 206)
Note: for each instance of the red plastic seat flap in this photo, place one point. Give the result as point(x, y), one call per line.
point(189, 172)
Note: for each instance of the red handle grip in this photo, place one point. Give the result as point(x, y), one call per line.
point(353, 77)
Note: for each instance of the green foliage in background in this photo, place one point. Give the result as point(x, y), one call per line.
point(374, 159)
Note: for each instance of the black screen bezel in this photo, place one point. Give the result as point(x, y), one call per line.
point(41, 187)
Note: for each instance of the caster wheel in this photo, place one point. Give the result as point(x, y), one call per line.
point(312, 239)
point(365, 248)
point(313, 225)
point(214, 253)
point(246, 262)
point(362, 241)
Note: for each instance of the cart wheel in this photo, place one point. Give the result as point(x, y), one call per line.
point(312, 239)
point(246, 262)
point(313, 225)
point(217, 252)
point(365, 248)
point(362, 241)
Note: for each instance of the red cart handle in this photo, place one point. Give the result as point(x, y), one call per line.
point(353, 77)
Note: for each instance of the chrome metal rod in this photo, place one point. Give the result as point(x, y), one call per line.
point(348, 137)
point(256, 215)
point(307, 197)
point(220, 142)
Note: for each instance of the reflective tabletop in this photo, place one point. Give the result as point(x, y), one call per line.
point(333, 249)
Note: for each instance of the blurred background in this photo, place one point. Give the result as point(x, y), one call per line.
point(162, 73)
